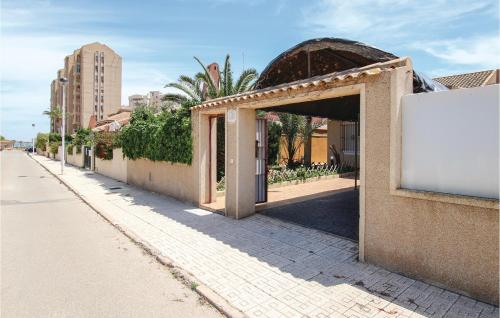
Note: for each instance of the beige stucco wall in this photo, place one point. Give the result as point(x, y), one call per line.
point(449, 244)
point(75, 159)
point(172, 179)
point(115, 168)
point(334, 137)
point(59, 153)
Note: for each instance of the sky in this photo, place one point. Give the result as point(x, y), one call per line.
point(158, 39)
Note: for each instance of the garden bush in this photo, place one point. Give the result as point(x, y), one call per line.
point(159, 137)
point(41, 141)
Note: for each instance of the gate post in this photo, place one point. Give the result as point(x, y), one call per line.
point(240, 162)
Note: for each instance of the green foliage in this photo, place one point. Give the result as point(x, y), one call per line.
point(2, 137)
point(82, 137)
point(203, 86)
point(104, 142)
point(162, 137)
point(295, 129)
point(301, 173)
point(69, 149)
point(53, 137)
point(54, 147)
point(273, 142)
point(41, 141)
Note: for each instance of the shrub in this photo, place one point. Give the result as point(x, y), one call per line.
point(54, 147)
point(162, 137)
point(41, 141)
point(104, 143)
point(70, 149)
point(82, 137)
point(54, 137)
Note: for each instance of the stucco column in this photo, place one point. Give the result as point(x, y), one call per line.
point(240, 162)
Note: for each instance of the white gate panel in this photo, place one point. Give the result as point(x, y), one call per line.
point(450, 142)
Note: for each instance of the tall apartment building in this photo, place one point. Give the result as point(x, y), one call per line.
point(94, 74)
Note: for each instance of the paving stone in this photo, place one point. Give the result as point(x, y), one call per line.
point(266, 267)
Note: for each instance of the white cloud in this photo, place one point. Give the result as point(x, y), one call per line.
point(483, 51)
point(388, 19)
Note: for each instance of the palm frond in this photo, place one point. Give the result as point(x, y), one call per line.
point(245, 80)
point(208, 78)
point(172, 97)
point(227, 77)
point(184, 88)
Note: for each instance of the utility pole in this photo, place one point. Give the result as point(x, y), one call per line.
point(63, 82)
point(33, 142)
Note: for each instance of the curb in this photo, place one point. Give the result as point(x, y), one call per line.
point(204, 291)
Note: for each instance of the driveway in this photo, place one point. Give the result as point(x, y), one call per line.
point(337, 213)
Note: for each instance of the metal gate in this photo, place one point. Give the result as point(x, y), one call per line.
point(87, 157)
point(261, 160)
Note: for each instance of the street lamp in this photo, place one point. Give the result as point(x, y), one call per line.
point(63, 82)
point(33, 142)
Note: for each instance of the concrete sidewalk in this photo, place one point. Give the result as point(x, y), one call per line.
point(262, 266)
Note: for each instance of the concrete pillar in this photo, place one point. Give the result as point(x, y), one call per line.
point(240, 162)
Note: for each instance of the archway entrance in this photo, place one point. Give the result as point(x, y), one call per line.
point(323, 194)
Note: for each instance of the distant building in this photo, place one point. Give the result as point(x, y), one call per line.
point(468, 80)
point(153, 99)
point(137, 100)
point(94, 74)
point(6, 144)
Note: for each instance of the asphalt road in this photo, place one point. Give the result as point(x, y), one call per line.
point(60, 259)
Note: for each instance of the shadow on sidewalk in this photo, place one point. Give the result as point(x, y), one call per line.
point(304, 253)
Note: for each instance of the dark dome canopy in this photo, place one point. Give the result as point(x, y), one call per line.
point(319, 57)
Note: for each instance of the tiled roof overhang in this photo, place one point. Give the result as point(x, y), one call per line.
point(297, 87)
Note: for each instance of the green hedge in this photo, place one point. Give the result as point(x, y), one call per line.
point(159, 137)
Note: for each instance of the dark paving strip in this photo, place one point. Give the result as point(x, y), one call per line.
point(337, 213)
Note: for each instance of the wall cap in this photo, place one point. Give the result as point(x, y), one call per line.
point(448, 198)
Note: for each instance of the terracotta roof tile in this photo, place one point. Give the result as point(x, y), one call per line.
point(467, 80)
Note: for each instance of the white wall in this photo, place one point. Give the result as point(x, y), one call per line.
point(450, 142)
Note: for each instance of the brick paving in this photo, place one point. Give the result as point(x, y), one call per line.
point(263, 266)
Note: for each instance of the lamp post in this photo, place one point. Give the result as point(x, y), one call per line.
point(33, 142)
point(63, 82)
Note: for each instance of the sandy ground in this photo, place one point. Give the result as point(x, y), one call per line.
point(60, 259)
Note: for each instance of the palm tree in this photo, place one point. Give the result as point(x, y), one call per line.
point(54, 113)
point(296, 130)
point(203, 86)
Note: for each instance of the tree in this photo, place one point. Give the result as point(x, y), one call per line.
point(192, 88)
point(54, 113)
point(2, 137)
point(203, 86)
point(295, 129)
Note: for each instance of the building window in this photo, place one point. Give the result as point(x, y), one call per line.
point(102, 69)
point(97, 68)
point(348, 139)
point(96, 98)
point(96, 78)
point(102, 79)
point(102, 99)
point(102, 116)
point(96, 58)
point(102, 108)
point(95, 108)
point(78, 68)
